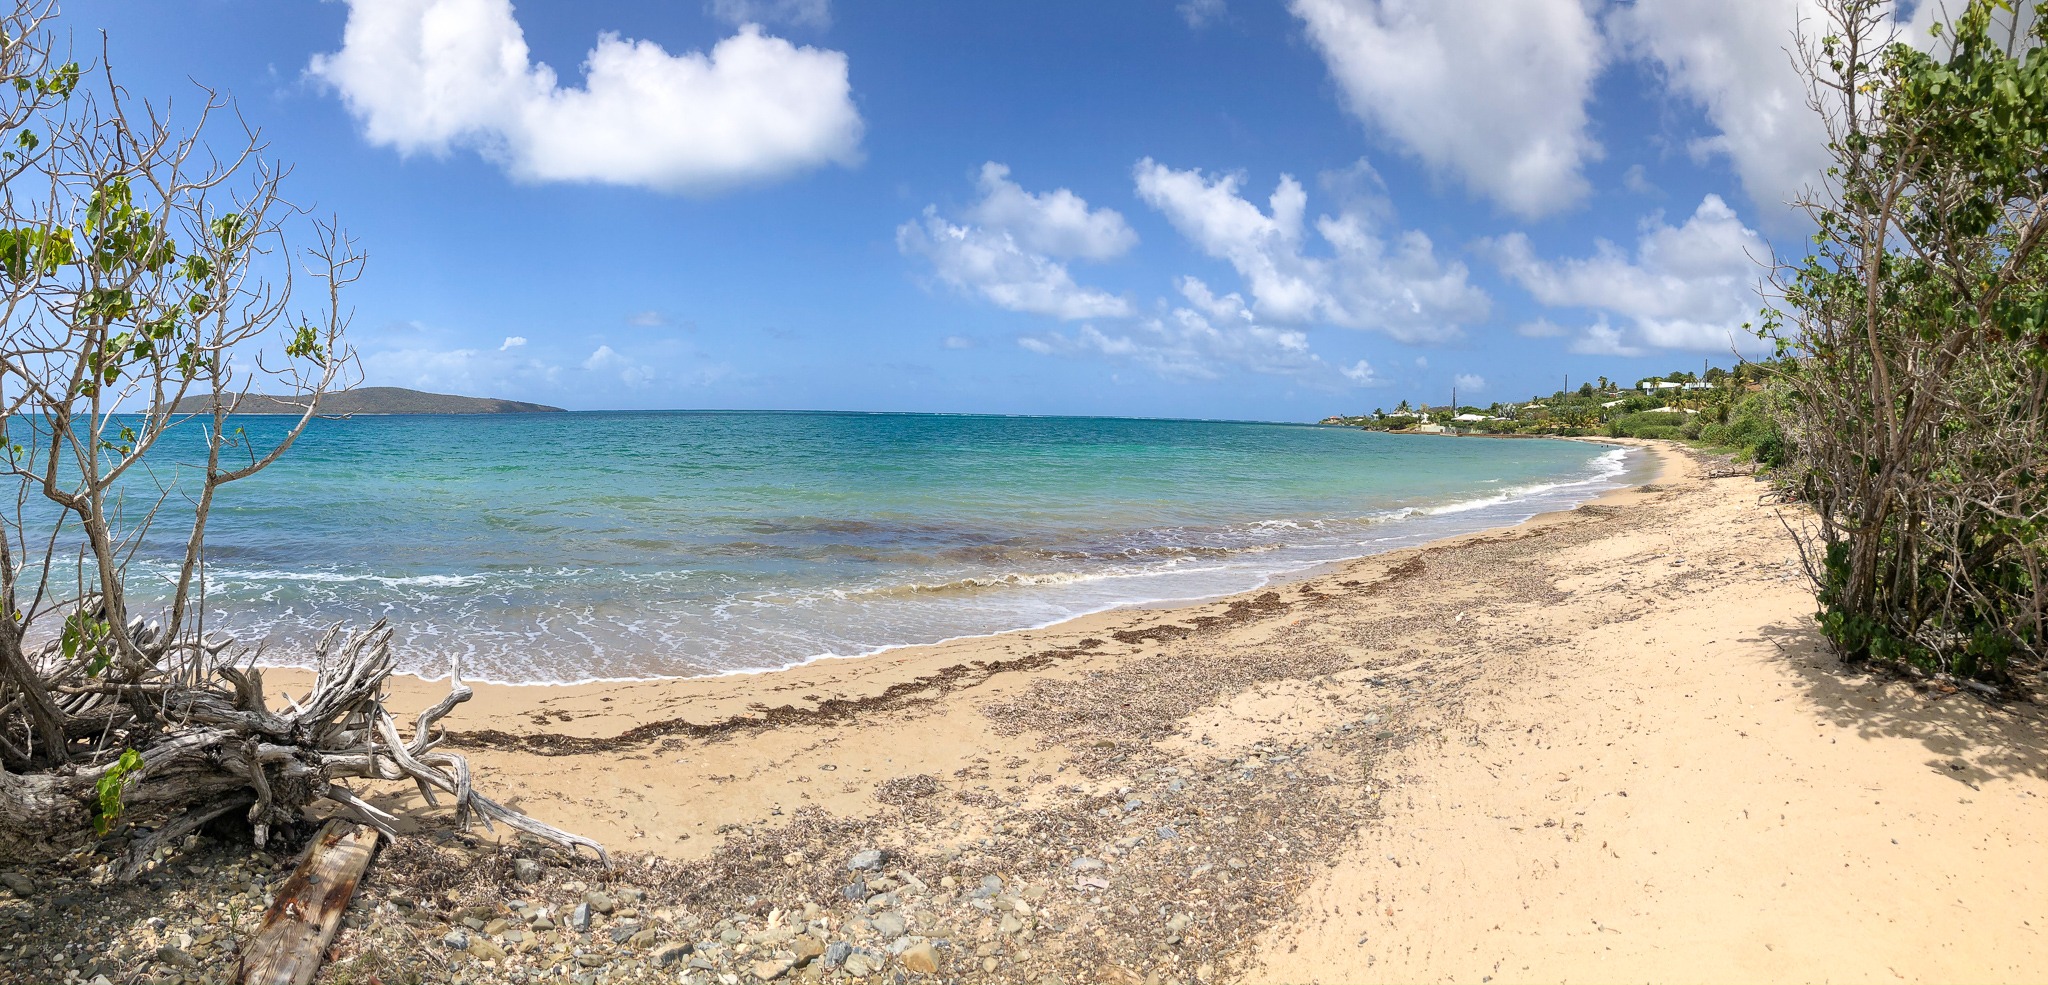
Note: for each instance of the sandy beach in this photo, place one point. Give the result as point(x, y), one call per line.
point(1605, 744)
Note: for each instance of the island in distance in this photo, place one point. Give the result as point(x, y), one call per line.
point(372, 400)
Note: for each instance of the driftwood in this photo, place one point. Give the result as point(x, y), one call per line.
point(297, 928)
point(211, 745)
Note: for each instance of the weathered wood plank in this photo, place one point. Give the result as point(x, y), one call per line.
point(300, 923)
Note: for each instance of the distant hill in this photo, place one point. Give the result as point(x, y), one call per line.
point(374, 400)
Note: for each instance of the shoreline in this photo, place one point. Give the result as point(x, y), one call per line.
point(1657, 465)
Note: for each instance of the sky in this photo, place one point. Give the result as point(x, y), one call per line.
point(1243, 209)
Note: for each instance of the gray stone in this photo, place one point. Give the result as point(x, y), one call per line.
point(858, 964)
point(484, 950)
point(472, 923)
point(644, 939)
point(807, 948)
point(865, 861)
point(1166, 831)
point(671, 954)
point(527, 870)
point(889, 924)
point(18, 884)
point(456, 940)
point(176, 956)
point(1086, 864)
point(599, 902)
point(836, 954)
point(579, 917)
point(1176, 784)
point(590, 960)
point(623, 930)
point(1012, 923)
point(855, 891)
point(731, 935)
point(772, 968)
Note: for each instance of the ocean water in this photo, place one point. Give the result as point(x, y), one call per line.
point(570, 547)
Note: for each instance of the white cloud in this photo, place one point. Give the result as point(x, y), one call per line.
point(434, 75)
point(958, 342)
point(804, 13)
point(1494, 92)
point(1056, 223)
point(1369, 282)
point(1203, 340)
point(1733, 58)
point(1201, 13)
point(648, 319)
point(1469, 382)
point(1541, 328)
point(1637, 180)
point(1686, 287)
point(512, 342)
point(605, 357)
point(1012, 249)
point(1362, 373)
point(1602, 339)
point(472, 372)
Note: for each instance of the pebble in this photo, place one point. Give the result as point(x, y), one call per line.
point(456, 940)
point(921, 959)
point(579, 917)
point(623, 930)
point(889, 924)
point(771, 969)
point(1166, 831)
point(527, 870)
point(807, 948)
point(857, 964)
point(18, 884)
point(1086, 864)
point(599, 902)
point(671, 954)
point(865, 861)
point(836, 954)
point(485, 950)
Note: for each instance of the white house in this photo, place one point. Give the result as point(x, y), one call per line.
point(1614, 403)
point(1473, 418)
point(1655, 385)
point(1701, 385)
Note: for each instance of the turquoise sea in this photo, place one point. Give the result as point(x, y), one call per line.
point(569, 547)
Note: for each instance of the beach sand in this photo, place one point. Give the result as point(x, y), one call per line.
point(1606, 744)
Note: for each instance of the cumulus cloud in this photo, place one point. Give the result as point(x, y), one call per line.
point(1602, 339)
point(648, 319)
point(1013, 247)
point(1541, 328)
point(1469, 382)
point(1733, 58)
point(1362, 373)
point(1057, 223)
point(1203, 340)
point(434, 75)
point(1201, 13)
point(1494, 92)
point(1690, 286)
point(803, 13)
point(512, 342)
point(1370, 280)
point(957, 342)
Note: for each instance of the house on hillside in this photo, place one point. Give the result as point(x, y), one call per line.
point(1700, 385)
point(1611, 404)
point(1473, 418)
point(1658, 386)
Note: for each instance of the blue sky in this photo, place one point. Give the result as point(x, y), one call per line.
point(1202, 208)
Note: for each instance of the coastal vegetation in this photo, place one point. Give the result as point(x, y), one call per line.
point(1916, 339)
point(148, 257)
point(1731, 409)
